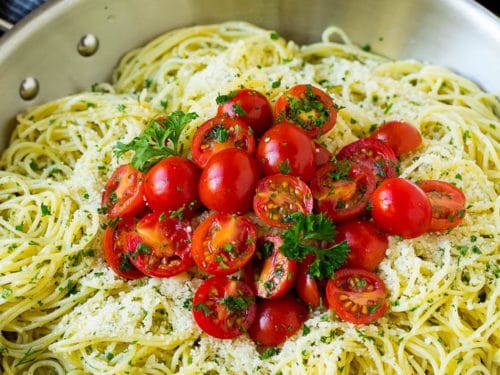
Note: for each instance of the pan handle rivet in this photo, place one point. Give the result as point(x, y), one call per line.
point(88, 45)
point(29, 88)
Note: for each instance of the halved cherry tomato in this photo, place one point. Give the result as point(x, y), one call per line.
point(277, 319)
point(278, 196)
point(124, 192)
point(307, 106)
point(220, 133)
point(357, 295)
point(172, 185)
point(115, 251)
point(223, 243)
point(366, 243)
point(448, 204)
point(224, 308)
point(160, 245)
point(271, 272)
point(286, 149)
point(373, 154)
point(248, 105)
point(399, 135)
point(399, 207)
point(306, 286)
point(228, 181)
point(321, 155)
point(342, 190)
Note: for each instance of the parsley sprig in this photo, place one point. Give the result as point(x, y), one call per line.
point(158, 140)
point(303, 238)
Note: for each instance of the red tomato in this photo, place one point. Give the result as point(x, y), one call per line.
point(286, 149)
point(272, 273)
point(223, 243)
point(278, 196)
point(374, 154)
point(366, 243)
point(224, 308)
point(220, 133)
point(401, 208)
point(342, 190)
point(309, 107)
point(448, 204)
point(115, 252)
point(160, 245)
point(399, 135)
point(173, 184)
point(248, 105)
point(277, 319)
point(124, 192)
point(228, 181)
point(321, 155)
point(306, 286)
point(357, 295)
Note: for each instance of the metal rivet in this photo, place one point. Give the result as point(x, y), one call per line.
point(29, 88)
point(88, 45)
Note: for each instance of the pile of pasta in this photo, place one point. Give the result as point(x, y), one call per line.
point(63, 310)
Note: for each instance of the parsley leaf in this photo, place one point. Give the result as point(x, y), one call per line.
point(159, 140)
point(303, 238)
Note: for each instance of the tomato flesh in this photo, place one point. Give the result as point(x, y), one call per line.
point(306, 286)
point(357, 295)
point(224, 308)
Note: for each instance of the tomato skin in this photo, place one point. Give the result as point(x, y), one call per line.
point(373, 154)
point(342, 190)
point(308, 107)
point(321, 155)
point(124, 192)
point(227, 183)
point(277, 319)
point(357, 295)
point(223, 243)
point(366, 243)
point(278, 196)
point(286, 149)
point(220, 133)
point(115, 251)
point(448, 204)
point(274, 274)
point(401, 208)
point(214, 316)
point(250, 106)
point(172, 184)
point(401, 136)
point(306, 286)
point(160, 245)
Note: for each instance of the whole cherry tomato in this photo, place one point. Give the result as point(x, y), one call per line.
point(401, 136)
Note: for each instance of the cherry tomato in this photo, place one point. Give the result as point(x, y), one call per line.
point(399, 135)
point(124, 192)
point(160, 245)
point(401, 208)
point(224, 308)
point(172, 184)
point(228, 181)
point(366, 243)
point(309, 107)
point(248, 105)
point(223, 243)
point(373, 154)
point(220, 133)
point(321, 155)
point(342, 190)
point(448, 204)
point(115, 252)
point(278, 196)
point(286, 149)
point(306, 286)
point(277, 319)
point(272, 273)
point(357, 295)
